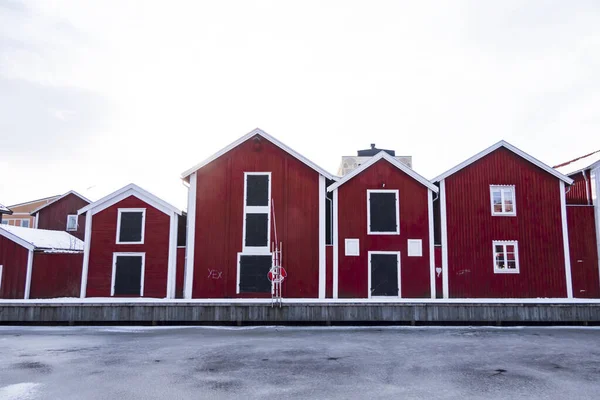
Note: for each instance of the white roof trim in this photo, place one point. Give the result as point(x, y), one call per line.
point(123, 193)
point(383, 155)
point(33, 201)
point(512, 148)
point(271, 139)
point(58, 198)
point(16, 239)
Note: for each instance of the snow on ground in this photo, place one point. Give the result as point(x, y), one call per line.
point(19, 391)
point(45, 239)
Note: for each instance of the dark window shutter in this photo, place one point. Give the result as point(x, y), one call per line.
point(384, 275)
point(382, 208)
point(257, 230)
point(131, 227)
point(128, 275)
point(253, 274)
point(257, 190)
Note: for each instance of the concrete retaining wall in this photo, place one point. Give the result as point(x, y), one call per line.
point(198, 313)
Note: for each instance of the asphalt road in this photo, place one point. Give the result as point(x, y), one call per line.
point(299, 363)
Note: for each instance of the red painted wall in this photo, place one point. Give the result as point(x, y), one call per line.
point(180, 274)
point(54, 216)
point(219, 219)
point(577, 193)
point(13, 257)
point(103, 245)
point(472, 228)
point(583, 251)
point(439, 283)
point(352, 223)
point(56, 275)
point(329, 272)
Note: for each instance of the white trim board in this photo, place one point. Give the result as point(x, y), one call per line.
point(123, 193)
point(509, 147)
point(322, 255)
point(385, 156)
point(565, 232)
point(190, 238)
point(131, 210)
point(397, 253)
point(397, 193)
point(256, 210)
point(114, 270)
point(266, 136)
point(431, 245)
point(60, 198)
point(86, 254)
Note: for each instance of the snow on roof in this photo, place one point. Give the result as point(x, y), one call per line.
point(579, 164)
point(34, 239)
point(4, 209)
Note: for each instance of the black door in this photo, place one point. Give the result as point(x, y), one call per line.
point(128, 276)
point(384, 275)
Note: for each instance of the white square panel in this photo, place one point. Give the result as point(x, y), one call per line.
point(415, 248)
point(352, 247)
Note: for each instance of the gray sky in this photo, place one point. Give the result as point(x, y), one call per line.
point(100, 94)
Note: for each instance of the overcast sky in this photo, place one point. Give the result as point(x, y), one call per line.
point(100, 94)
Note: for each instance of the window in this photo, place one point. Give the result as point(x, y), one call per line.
point(25, 223)
point(503, 200)
point(506, 256)
point(130, 225)
point(257, 216)
point(382, 212)
point(352, 247)
point(253, 273)
point(128, 274)
point(4, 222)
point(71, 222)
point(415, 248)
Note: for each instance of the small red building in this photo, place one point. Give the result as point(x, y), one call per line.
point(504, 227)
point(37, 263)
point(383, 232)
point(60, 214)
point(251, 194)
point(130, 246)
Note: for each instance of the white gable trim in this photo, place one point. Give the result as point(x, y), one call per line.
point(512, 148)
point(16, 239)
point(122, 194)
point(59, 198)
point(383, 155)
point(271, 139)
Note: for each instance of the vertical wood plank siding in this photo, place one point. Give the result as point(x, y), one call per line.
point(56, 275)
point(577, 193)
point(584, 251)
point(537, 227)
point(13, 257)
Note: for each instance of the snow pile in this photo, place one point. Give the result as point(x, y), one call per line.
point(579, 164)
point(45, 239)
point(19, 391)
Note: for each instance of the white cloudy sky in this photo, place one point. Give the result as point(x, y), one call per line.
point(99, 94)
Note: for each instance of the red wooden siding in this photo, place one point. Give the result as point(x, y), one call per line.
point(56, 275)
point(439, 283)
point(472, 228)
point(219, 220)
point(180, 274)
point(329, 272)
point(352, 223)
point(583, 251)
point(54, 216)
point(580, 192)
point(13, 258)
point(103, 245)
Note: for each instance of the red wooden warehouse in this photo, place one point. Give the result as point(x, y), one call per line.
point(503, 227)
point(252, 193)
point(60, 214)
point(383, 232)
point(37, 263)
point(130, 245)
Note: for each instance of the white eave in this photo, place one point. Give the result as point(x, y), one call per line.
point(59, 198)
point(271, 139)
point(383, 155)
point(512, 148)
point(123, 193)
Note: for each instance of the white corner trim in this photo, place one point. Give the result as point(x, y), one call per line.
point(431, 245)
point(29, 273)
point(444, 229)
point(322, 258)
point(172, 264)
point(397, 253)
point(565, 231)
point(335, 244)
point(397, 193)
point(191, 233)
point(131, 210)
point(114, 270)
point(86, 253)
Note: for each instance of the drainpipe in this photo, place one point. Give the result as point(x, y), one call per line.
point(587, 190)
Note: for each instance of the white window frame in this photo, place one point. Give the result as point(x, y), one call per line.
point(114, 270)
point(397, 253)
point(28, 223)
point(76, 223)
point(263, 250)
point(504, 243)
point(125, 210)
point(502, 189)
point(369, 191)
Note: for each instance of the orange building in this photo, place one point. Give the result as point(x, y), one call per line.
point(21, 212)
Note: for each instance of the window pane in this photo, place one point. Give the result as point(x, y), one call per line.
point(25, 223)
point(497, 200)
point(131, 227)
point(499, 249)
point(382, 209)
point(5, 222)
point(257, 190)
point(72, 223)
point(257, 233)
point(508, 200)
point(511, 264)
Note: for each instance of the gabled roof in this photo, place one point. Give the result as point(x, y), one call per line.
point(589, 161)
point(33, 201)
point(35, 239)
point(59, 198)
point(383, 155)
point(123, 193)
point(271, 139)
point(5, 210)
point(509, 147)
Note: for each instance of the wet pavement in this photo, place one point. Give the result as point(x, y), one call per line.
point(299, 363)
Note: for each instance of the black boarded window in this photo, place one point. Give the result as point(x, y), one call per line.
point(253, 274)
point(257, 230)
point(131, 226)
point(383, 216)
point(257, 190)
point(128, 276)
